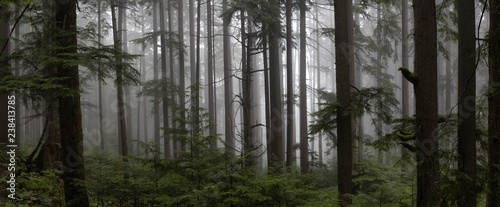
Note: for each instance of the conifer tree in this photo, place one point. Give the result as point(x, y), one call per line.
point(75, 190)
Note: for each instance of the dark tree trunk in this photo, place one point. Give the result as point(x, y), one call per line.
point(119, 86)
point(228, 85)
point(289, 88)
point(276, 155)
point(211, 103)
point(70, 115)
point(343, 32)
point(467, 101)
point(4, 71)
point(304, 148)
point(426, 101)
point(493, 196)
point(182, 81)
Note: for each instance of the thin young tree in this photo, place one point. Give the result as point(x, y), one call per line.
point(182, 81)
point(75, 191)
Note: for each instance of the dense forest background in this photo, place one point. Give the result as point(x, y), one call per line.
point(250, 103)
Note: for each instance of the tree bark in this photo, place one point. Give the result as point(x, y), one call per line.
point(467, 101)
point(289, 79)
point(212, 131)
point(304, 148)
point(166, 144)
point(493, 195)
point(70, 115)
point(4, 34)
point(275, 142)
point(182, 81)
point(343, 32)
point(156, 106)
point(119, 85)
point(426, 101)
point(228, 85)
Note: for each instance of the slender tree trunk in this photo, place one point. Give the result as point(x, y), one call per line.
point(405, 105)
point(467, 101)
point(166, 146)
point(493, 195)
point(318, 76)
point(171, 143)
point(100, 86)
point(156, 106)
point(289, 79)
point(228, 85)
point(70, 115)
point(197, 72)
point(182, 81)
point(426, 101)
point(379, 130)
point(211, 102)
point(246, 89)
point(128, 109)
point(275, 142)
point(4, 98)
point(266, 89)
point(304, 148)
point(119, 87)
point(343, 32)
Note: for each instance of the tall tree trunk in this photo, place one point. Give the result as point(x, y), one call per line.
point(119, 85)
point(156, 106)
point(379, 128)
point(128, 110)
point(304, 148)
point(197, 72)
point(211, 103)
point(171, 143)
point(228, 84)
point(192, 47)
point(275, 142)
point(70, 115)
point(318, 65)
point(266, 89)
point(4, 71)
point(426, 101)
point(404, 59)
point(166, 143)
point(493, 196)
point(182, 81)
point(467, 101)
point(100, 86)
point(343, 32)
point(289, 79)
point(246, 45)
